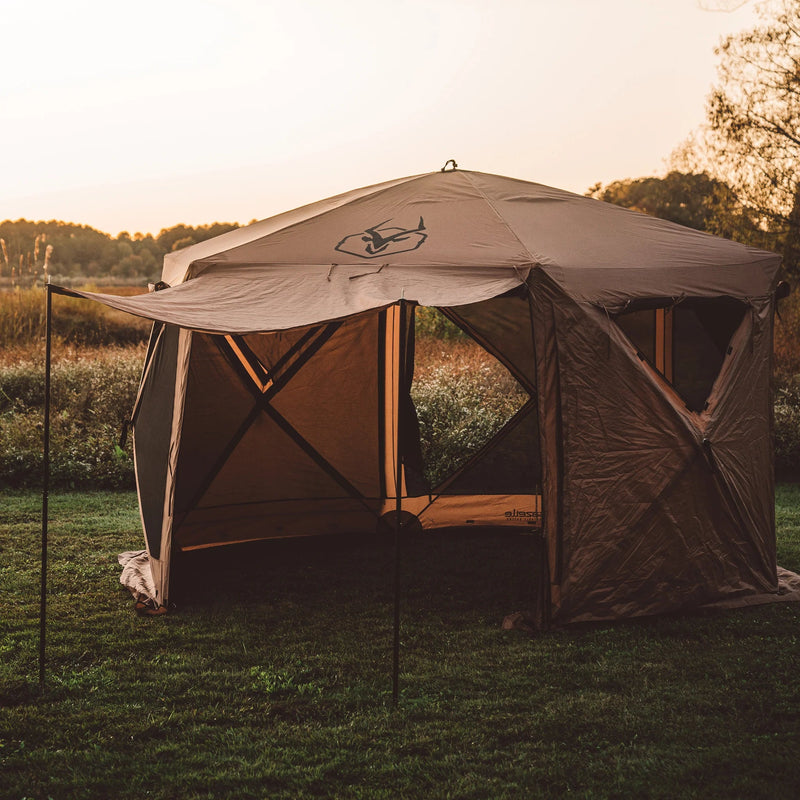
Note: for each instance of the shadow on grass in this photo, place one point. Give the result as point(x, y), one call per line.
point(19, 693)
point(472, 571)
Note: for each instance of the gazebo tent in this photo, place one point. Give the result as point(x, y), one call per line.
point(275, 397)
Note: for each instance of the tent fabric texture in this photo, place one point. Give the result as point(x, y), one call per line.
point(275, 396)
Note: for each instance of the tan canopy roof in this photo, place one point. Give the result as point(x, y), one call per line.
point(402, 239)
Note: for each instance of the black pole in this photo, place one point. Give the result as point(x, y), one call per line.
point(399, 501)
point(45, 480)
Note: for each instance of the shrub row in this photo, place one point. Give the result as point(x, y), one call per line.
point(462, 398)
point(787, 429)
point(91, 397)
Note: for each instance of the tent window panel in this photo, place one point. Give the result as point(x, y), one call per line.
point(268, 465)
point(702, 330)
point(268, 357)
point(640, 328)
point(502, 326)
point(510, 466)
point(463, 398)
point(686, 342)
point(212, 420)
point(332, 401)
point(281, 415)
point(152, 433)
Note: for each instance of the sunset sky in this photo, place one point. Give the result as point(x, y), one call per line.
point(140, 116)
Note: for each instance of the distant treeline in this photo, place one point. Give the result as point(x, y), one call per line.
point(69, 250)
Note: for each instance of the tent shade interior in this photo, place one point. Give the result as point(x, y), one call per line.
point(278, 395)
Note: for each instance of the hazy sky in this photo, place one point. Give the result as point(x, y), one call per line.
point(139, 116)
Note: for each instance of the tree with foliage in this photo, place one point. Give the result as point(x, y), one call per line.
point(751, 138)
point(692, 199)
point(180, 236)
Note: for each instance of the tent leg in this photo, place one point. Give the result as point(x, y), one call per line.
point(399, 502)
point(45, 483)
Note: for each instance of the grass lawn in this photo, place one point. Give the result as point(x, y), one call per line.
point(274, 680)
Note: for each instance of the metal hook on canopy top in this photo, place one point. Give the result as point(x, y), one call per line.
point(450, 161)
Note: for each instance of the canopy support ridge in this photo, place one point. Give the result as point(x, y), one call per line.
point(398, 514)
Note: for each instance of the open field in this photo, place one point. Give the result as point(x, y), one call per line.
point(274, 680)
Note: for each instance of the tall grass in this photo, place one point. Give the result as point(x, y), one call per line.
point(463, 396)
point(787, 338)
point(92, 395)
point(75, 322)
point(787, 428)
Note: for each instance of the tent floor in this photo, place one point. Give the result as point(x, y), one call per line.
point(492, 568)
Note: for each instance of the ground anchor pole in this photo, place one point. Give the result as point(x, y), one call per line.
point(398, 502)
point(45, 482)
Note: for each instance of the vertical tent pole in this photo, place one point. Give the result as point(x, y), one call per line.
point(45, 479)
point(398, 500)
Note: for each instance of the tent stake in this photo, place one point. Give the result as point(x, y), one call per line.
point(398, 501)
point(45, 480)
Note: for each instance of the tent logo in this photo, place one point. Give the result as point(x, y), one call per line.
point(527, 517)
point(383, 240)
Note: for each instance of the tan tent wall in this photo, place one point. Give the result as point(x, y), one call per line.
point(152, 418)
point(305, 435)
point(655, 510)
point(234, 474)
point(156, 435)
point(641, 515)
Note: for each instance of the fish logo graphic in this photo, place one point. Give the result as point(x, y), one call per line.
point(383, 239)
